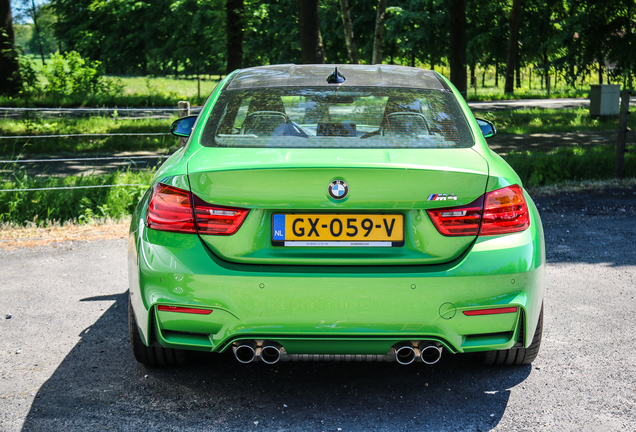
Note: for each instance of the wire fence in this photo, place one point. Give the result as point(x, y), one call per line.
point(12, 161)
point(4, 111)
point(70, 187)
point(83, 135)
point(197, 109)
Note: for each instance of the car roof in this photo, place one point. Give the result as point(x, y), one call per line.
point(290, 75)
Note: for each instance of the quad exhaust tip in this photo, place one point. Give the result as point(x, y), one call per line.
point(430, 354)
point(404, 353)
point(270, 354)
point(247, 352)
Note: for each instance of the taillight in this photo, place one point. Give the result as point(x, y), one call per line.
point(216, 220)
point(501, 211)
point(505, 211)
point(170, 209)
point(458, 221)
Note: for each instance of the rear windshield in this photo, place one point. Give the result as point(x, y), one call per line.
point(337, 118)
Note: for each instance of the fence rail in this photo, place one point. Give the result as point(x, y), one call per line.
point(71, 187)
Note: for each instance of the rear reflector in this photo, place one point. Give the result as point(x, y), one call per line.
point(491, 311)
point(184, 310)
point(170, 209)
point(501, 211)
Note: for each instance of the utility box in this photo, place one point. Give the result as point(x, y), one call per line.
point(605, 100)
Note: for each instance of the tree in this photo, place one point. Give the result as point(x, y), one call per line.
point(235, 17)
point(311, 46)
point(378, 37)
point(9, 68)
point(457, 42)
point(513, 41)
point(352, 49)
point(38, 32)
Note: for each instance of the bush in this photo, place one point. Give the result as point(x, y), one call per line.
point(595, 163)
point(31, 86)
point(43, 207)
point(69, 74)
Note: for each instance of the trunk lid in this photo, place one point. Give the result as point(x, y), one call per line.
point(388, 187)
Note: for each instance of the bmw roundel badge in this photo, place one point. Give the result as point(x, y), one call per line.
point(338, 189)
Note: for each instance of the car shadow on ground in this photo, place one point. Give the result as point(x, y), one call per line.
point(99, 385)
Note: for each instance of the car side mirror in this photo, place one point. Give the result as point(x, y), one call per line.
point(183, 126)
point(488, 129)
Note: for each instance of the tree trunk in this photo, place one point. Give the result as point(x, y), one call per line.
point(457, 44)
point(483, 79)
point(378, 37)
point(235, 10)
point(34, 15)
point(518, 70)
point(600, 73)
point(9, 67)
point(352, 49)
point(513, 41)
point(496, 75)
point(311, 46)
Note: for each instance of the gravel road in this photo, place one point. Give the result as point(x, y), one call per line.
point(65, 362)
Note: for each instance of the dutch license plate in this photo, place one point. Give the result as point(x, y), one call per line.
point(360, 230)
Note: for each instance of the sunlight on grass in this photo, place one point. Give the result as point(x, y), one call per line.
point(526, 121)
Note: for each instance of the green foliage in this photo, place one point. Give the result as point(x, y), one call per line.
point(83, 205)
point(31, 86)
point(537, 120)
point(565, 164)
point(70, 74)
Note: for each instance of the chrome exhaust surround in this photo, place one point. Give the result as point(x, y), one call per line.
point(430, 353)
point(244, 353)
point(270, 354)
point(405, 355)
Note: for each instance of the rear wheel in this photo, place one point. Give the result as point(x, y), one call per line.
point(154, 355)
point(517, 356)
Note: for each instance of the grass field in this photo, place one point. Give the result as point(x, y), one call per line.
point(525, 121)
point(43, 207)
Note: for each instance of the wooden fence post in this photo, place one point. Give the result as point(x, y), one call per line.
point(183, 110)
point(622, 134)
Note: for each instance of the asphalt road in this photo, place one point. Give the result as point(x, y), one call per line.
point(65, 362)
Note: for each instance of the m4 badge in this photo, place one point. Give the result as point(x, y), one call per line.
point(442, 197)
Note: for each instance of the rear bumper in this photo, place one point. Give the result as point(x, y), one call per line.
point(336, 310)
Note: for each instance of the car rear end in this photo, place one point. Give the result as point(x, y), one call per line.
point(348, 222)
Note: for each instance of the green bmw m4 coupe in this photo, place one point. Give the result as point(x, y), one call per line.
point(325, 212)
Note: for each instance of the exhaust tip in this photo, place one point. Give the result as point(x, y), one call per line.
point(245, 353)
point(431, 354)
point(405, 355)
point(270, 354)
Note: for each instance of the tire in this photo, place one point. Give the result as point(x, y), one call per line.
point(154, 355)
point(517, 356)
